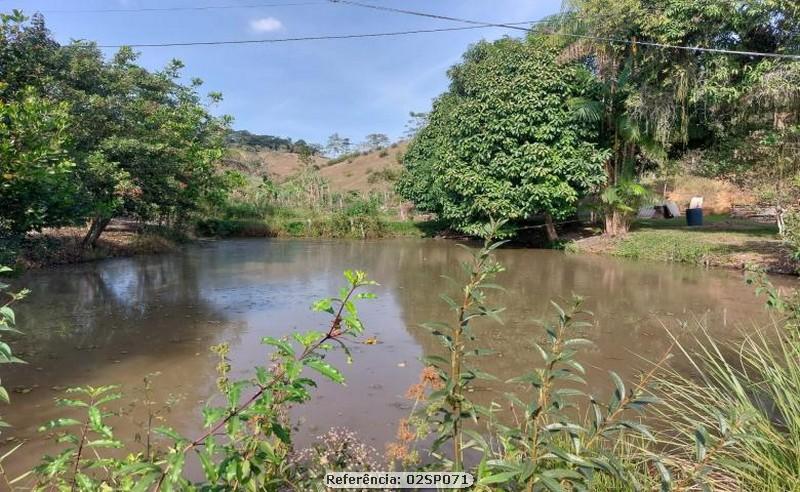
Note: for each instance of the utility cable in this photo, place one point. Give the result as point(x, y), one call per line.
point(172, 9)
point(582, 36)
point(301, 38)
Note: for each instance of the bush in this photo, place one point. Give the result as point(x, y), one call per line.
point(791, 233)
point(742, 418)
point(215, 227)
point(388, 175)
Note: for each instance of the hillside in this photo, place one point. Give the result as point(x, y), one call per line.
point(362, 173)
point(366, 172)
point(262, 162)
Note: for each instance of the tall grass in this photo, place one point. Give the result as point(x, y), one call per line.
point(737, 412)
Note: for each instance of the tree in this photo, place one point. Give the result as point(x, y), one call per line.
point(141, 143)
point(337, 145)
point(375, 141)
point(502, 142)
point(663, 102)
point(37, 175)
point(761, 150)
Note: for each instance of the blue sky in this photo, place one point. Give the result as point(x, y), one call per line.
point(305, 89)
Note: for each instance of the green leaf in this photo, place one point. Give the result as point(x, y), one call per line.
point(325, 369)
point(502, 477)
point(58, 424)
point(323, 305)
point(282, 345)
point(666, 477)
point(104, 443)
point(435, 360)
point(307, 339)
point(701, 442)
point(550, 484)
point(638, 427)
point(620, 393)
point(143, 483)
point(282, 433)
point(169, 432)
point(7, 313)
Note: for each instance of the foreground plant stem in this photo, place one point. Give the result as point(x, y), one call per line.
point(477, 277)
point(334, 333)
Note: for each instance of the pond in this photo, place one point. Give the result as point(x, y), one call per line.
point(116, 321)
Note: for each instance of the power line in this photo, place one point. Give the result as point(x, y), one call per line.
point(595, 38)
point(171, 9)
point(304, 38)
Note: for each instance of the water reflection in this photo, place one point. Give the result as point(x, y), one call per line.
point(116, 321)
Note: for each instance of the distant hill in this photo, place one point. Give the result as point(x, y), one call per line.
point(371, 171)
point(366, 172)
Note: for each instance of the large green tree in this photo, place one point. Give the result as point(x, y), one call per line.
point(503, 141)
point(141, 143)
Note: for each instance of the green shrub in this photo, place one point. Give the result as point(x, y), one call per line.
point(745, 407)
point(791, 233)
point(216, 227)
point(8, 325)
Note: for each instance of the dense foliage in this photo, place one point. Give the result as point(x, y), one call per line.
point(503, 142)
point(87, 139)
point(738, 113)
point(645, 108)
point(37, 189)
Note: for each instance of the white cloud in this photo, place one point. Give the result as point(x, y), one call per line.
point(266, 24)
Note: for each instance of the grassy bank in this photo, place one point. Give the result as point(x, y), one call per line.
point(722, 241)
point(321, 226)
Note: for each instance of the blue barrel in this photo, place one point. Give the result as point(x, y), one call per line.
point(694, 216)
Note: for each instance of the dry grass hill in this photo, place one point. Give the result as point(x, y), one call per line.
point(363, 173)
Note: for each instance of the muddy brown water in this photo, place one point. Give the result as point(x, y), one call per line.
point(115, 321)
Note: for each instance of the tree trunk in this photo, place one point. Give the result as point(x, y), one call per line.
point(552, 234)
point(97, 227)
point(615, 224)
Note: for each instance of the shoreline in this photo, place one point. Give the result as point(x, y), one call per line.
point(722, 243)
point(744, 247)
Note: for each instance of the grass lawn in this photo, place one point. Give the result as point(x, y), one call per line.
point(720, 241)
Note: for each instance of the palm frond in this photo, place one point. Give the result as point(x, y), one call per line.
point(585, 109)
